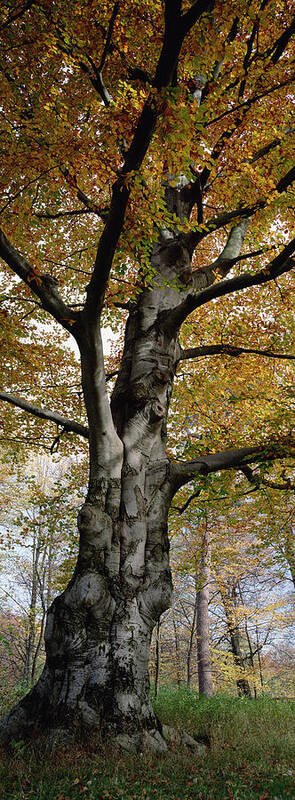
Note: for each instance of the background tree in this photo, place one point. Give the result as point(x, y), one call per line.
point(39, 547)
point(248, 601)
point(146, 178)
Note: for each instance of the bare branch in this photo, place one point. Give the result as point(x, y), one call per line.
point(259, 480)
point(43, 413)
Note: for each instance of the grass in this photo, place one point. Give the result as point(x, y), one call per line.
point(251, 757)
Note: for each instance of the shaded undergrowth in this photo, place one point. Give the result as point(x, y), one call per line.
point(251, 757)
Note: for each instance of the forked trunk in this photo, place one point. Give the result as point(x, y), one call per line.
point(98, 631)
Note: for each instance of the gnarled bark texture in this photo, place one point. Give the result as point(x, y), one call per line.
point(98, 631)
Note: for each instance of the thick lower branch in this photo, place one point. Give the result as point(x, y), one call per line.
point(44, 286)
point(183, 472)
point(44, 413)
point(229, 350)
point(279, 266)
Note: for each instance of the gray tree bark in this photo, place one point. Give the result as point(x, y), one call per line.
point(157, 658)
point(98, 631)
point(191, 640)
point(203, 644)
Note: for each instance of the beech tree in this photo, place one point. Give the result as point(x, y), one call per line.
point(147, 157)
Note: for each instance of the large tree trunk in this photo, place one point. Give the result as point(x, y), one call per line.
point(98, 631)
point(98, 636)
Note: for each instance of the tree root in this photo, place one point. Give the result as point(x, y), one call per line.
point(159, 742)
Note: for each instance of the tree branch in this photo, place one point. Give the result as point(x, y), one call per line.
point(227, 258)
point(249, 102)
point(61, 214)
point(90, 205)
point(43, 413)
point(173, 38)
point(281, 43)
point(18, 13)
point(44, 286)
point(257, 480)
point(229, 350)
point(97, 81)
point(237, 458)
point(109, 36)
point(242, 212)
point(195, 12)
point(281, 264)
point(182, 509)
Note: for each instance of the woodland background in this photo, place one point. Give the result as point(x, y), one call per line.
point(250, 586)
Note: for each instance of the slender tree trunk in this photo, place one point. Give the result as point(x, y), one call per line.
point(38, 646)
point(31, 636)
point(229, 602)
point(177, 655)
point(290, 553)
point(251, 655)
point(191, 640)
point(157, 657)
point(259, 656)
point(203, 645)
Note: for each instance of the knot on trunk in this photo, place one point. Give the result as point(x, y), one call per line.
point(157, 411)
point(96, 530)
point(163, 375)
point(91, 519)
point(91, 592)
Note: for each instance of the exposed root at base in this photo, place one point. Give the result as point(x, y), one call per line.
point(159, 742)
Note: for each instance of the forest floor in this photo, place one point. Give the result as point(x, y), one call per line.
point(251, 756)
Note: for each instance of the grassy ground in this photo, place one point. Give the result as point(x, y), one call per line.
point(251, 757)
